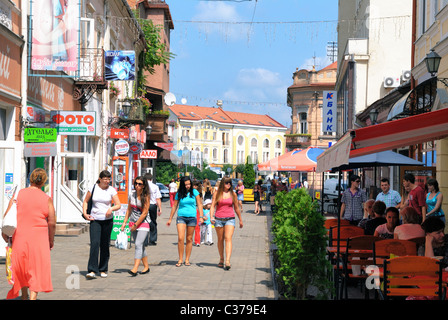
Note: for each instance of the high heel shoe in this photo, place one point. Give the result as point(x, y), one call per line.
point(134, 274)
point(227, 266)
point(145, 272)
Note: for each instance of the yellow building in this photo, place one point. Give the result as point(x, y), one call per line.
point(431, 33)
point(222, 137)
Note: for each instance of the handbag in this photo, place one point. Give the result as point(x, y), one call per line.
point(122, 241)
point(9, 223)
point(90, 203)
point(8, 263)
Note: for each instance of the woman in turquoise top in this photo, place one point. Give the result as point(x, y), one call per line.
point(434, 200)
point(187, 201)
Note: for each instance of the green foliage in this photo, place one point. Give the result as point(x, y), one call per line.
point(240, 168)
point(249, 175)
point(300, 237)
point(165, 171)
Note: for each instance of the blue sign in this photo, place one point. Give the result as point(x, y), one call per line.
point(329, 116)
point(9, 178)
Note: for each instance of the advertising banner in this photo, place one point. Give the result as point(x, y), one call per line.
point(40, 150)
point(119, 65)
point(55, 34)
point(74, 123)
point(40, 135)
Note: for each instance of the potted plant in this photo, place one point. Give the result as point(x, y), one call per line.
point(300, 239)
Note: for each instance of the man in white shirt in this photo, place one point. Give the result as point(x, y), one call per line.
point(155, 209)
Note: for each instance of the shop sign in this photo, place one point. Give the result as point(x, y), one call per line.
point(329, 111)
point(32, 150)
point(148, 154)
point(119, 133)
point(121, 147)
point(40, 135)
point(135, 147)
point(75, 123)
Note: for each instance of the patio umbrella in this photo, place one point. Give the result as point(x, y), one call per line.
point(295, 160)
point(379, 159)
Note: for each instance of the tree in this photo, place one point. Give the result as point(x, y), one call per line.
point(249, 175)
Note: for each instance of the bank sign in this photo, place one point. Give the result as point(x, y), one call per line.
point(329, 116)
point(74, 123)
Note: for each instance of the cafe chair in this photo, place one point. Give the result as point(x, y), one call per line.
point(385, 248)
point(334, 222)
point(345, 232)
point(357, 256)
point(412, 276)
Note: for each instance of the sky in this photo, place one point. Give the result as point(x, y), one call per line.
point(244, 52)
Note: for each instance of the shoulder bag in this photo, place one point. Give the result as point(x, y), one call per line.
point(90, 203)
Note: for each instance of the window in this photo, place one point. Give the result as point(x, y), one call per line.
point(303, 123)
point(2, 124)
point(215, 154)
point(240, 140)
point(278, 144)
point(265, 143)
point(253, 142)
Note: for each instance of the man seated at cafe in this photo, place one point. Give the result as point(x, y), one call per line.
point(379, 209)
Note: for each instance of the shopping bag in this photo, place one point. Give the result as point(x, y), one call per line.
point(9, 223)
point(122, 241)
point(8, 263)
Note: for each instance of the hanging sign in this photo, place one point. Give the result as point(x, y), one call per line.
point(40, 135)
point(40, 150)
point(135, 147)
point(75, 123)
point(119, 133)
point(329, 116)
point(121, 147)
point(148, 154)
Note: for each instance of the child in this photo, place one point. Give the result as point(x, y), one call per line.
point(206, 226)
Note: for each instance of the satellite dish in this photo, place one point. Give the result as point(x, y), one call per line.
point(184, 101)
point(170, 99)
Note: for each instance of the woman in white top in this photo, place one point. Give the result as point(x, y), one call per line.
point(139, 220)
point(101, 223)
point(173, 189)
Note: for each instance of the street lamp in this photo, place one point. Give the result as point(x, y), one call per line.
point(126, 108)
point(432, 61)
point(373, 114)
point(148, 130)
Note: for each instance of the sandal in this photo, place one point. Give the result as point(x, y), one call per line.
point(221, 264)
point(187, 264)
point(179, 263)
point(227, 267)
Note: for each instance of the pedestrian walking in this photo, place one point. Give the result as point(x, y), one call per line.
point(206, 226)
point(155, 208)
point(186, 202)
point(352, 201)
point(257, 197)
point(101, 223)
point(173, 189)
point(222, 215)
point(197, 230)
point(32, 240)
point(139, 223)
point(240, 194)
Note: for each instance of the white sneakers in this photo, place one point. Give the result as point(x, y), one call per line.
point(92, 275)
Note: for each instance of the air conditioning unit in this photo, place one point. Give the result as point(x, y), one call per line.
point(391, 82)
point(406, 75)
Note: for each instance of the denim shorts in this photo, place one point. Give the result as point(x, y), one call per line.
point(240, 197)
point(219, 223)
point(189, 221)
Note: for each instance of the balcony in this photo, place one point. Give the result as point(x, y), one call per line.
point(298, 140)
point(89, 79)
point(158, 122)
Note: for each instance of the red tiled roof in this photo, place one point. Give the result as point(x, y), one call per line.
point(334, 65)
point(196, 113)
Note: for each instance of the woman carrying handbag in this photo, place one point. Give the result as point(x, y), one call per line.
point(101, 223)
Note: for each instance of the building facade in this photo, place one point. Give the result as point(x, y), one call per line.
point(222, 137)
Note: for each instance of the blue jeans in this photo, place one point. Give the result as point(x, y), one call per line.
point(189, 221)
point(219, 223)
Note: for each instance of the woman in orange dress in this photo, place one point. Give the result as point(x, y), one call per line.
point(33, 240)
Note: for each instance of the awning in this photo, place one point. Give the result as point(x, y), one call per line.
point(385, 136)
point(398, 107)
point(380, 159)
point(400, 133)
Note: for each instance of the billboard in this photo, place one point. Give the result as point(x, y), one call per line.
point(55, 34)
point(119, 65)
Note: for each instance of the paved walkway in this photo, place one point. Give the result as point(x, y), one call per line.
point(248, 279)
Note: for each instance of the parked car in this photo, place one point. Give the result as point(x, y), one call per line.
point(164, 191)
point(331, 188)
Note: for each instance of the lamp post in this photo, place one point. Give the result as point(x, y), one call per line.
point(373, 114)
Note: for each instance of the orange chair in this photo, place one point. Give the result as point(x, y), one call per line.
point(345, 232)
point(384, 248)
point(412, 276)
point(334, 222)
point(358, 253)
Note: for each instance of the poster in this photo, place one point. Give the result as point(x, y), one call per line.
point(119, 65)
point(55, 34)
point(118, 221)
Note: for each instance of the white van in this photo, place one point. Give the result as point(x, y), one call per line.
point(331, 187)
